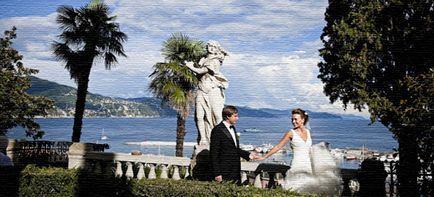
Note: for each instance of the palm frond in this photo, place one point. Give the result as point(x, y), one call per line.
point(172, 82)
point(88, 30)
point(168, 83)
point(109, 60)
point(62, 51)
point(66, 18)
point(179, 47)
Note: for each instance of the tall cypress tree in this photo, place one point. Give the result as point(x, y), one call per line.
point(379, 55)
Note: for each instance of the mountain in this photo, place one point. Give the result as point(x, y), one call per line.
point(266, 112)
point(96, 105)
point(163, 110)
point(103, 106)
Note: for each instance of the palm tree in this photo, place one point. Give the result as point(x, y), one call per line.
point(174, 83)
point(88, 33)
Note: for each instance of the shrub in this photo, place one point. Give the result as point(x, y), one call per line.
point(9, 179)
point(35, 181)
point(42, 181)
point(187, 188)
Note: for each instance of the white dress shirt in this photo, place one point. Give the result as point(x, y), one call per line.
point(231, 131)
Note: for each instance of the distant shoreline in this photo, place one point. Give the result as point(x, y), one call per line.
point(132, 117)
point(98, 117)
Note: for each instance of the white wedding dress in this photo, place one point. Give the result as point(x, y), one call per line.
point(313, 169)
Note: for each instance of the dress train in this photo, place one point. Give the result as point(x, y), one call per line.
point(324, 178)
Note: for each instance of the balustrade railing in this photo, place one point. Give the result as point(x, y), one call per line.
point(138, 166)
point(53, 153)
point(163, 167)
point(91, 156)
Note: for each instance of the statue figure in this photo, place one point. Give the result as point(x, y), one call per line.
point(210, 96)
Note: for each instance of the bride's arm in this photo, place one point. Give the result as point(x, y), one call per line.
point(285, 139)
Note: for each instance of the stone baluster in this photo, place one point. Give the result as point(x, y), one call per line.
point(119, 172)
point(141, 172)
point(265, 183)
point(164, 173)
point(187, 170)
point(175, 175)
point(280, 178)
point(152, 174)
point(129, 173)
point(243, 176)
point(9, 145)
point(258, 182)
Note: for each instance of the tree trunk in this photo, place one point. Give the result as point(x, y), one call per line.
point(180, 134)
point(80, 104)
point(408, 167)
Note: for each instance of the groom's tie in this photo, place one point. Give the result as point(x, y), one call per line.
point(233, 134)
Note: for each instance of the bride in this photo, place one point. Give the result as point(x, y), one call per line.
point(313, 169)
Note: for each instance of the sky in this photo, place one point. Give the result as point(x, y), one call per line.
point(273, 46)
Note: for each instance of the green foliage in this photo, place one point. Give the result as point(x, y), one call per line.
point(18, 108)
point(87, 33)
point(42, 181)
point(179, 48)
point(159, 187)
point(36, 181)
point(171, 81)
point(380, 55)
point(9, 179)
point(174, 83)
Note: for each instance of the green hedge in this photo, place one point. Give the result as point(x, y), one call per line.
point(37, 181)
point(49, 181)
point(188, 188)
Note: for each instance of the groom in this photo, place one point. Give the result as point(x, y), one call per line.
point(225, 150)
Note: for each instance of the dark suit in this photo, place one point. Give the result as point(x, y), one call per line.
point(225, 155)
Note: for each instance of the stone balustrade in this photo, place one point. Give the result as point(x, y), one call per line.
point(131, 166)
point(146, 166)
point(87, 156)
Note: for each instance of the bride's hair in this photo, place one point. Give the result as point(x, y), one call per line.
point(302, 113)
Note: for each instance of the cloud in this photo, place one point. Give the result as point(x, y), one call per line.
point(239, 25)
point(273, 48)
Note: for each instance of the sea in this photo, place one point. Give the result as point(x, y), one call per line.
point(339, 133)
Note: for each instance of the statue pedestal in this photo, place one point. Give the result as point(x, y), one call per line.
point(201, 163)
point(198, 149)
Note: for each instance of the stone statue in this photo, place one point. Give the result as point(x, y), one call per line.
point(210, 96)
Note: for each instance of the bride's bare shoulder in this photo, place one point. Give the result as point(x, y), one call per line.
point(289, 133)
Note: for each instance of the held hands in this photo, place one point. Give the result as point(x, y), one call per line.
point(259, 158)
point(218, 178)
point(255, 157)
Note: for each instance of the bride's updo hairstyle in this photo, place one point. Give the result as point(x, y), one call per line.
point(303, 114)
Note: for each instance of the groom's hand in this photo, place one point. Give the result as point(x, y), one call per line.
point(253, 156)
point(218, 178)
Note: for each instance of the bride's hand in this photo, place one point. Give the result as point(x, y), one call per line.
point(259, 158)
